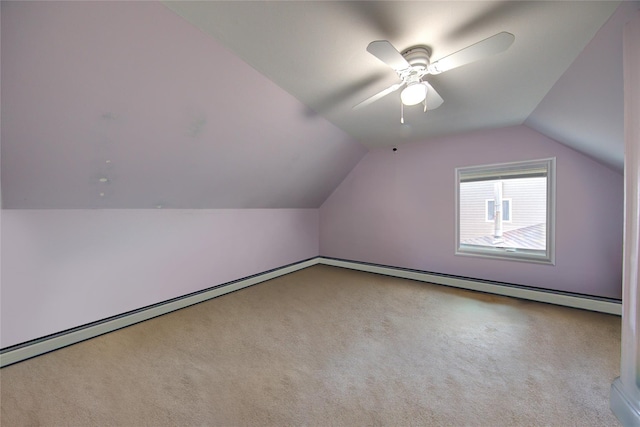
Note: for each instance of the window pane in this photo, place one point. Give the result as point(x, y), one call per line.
point(524, 193)
point(491, 210)
point(524, 215)
point(505, 210)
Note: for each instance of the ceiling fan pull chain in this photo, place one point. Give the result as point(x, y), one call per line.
point(401, 113)
point(426, 92)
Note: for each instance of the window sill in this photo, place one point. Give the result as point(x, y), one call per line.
point(509, 254)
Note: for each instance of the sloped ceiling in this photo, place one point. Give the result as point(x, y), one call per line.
point(585, 108)
point(317, 52)
point(126, 105)
point(249, 104)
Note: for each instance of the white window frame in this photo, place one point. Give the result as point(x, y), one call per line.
point(512, 169)
point(486, 210)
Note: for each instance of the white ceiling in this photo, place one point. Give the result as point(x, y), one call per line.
point(316, 51)
point(249, 104)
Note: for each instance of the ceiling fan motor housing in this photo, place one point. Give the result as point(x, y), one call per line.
point(417, 56)
point(418, 59)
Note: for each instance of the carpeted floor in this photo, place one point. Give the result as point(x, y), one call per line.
point(331, 347)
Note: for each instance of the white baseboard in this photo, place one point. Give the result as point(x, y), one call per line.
point(64, 339)
point(47, 344)
point(574, 301)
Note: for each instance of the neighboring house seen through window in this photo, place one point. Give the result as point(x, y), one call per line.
point(507, 211)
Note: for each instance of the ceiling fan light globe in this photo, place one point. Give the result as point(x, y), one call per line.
point(413, 94)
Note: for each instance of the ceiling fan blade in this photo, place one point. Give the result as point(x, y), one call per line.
point(385, 52)
point(379, 95)
point(487, 47)
point(434, 100)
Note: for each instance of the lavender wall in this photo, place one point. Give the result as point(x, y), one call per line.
point(398, 209)
point(121, 105)
point(64, 268)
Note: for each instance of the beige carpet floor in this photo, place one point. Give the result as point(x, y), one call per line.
point(331, 347)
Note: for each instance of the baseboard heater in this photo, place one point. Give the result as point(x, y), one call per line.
point(27, 350)
point(585, 302)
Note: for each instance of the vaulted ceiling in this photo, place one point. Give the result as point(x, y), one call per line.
point(317, 52)
point(249, 104)
point(585, 108)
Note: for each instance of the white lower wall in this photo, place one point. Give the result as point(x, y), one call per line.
point(65, 268)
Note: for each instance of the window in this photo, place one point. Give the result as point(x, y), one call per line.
point(507, 211)
point(491, 210)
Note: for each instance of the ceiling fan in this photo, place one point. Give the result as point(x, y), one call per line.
point(414, 63)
